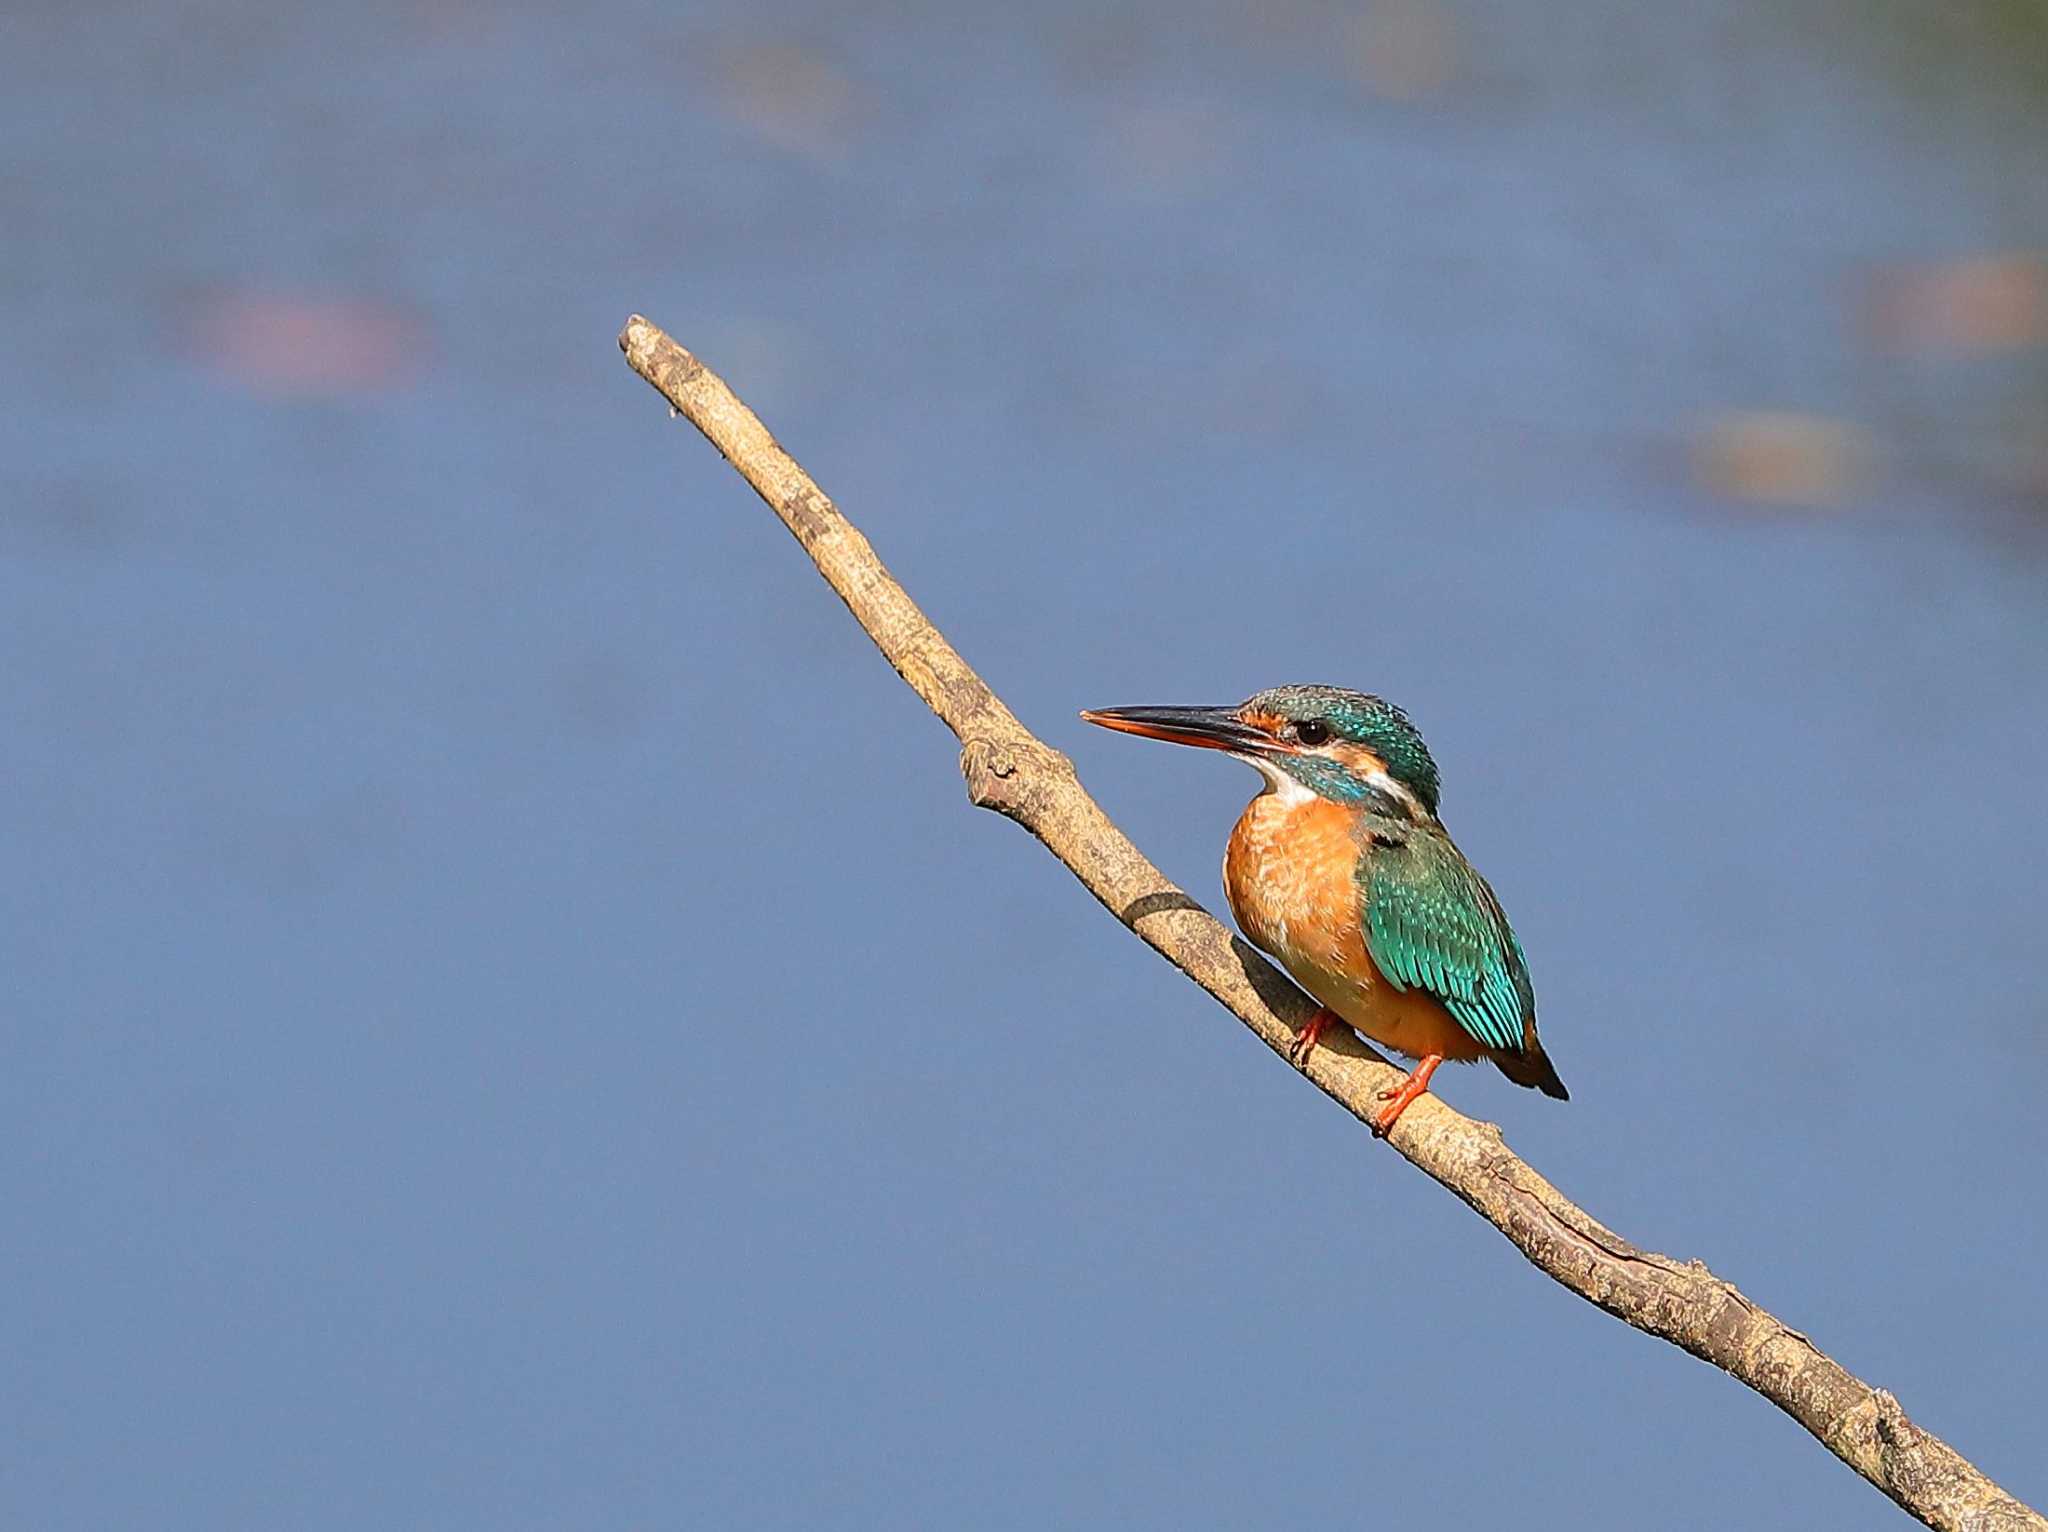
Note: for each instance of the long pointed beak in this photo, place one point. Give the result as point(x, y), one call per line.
point(1212, 728)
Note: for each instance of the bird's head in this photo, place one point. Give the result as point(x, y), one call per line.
point(1349, 747)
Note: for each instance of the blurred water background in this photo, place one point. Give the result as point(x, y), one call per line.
point(509, 1021)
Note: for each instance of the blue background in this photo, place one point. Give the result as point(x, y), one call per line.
point(510, 1021)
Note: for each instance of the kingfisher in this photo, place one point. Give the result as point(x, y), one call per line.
point(1342, 873)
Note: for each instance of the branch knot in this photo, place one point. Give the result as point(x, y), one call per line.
point(1012, 777)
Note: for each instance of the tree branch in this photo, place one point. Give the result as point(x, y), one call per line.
point(1010, 770)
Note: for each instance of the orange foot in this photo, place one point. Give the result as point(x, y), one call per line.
point(1305, 1040)
point(1397, 1099)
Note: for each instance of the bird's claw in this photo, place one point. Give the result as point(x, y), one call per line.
point(1399, 1097)
point(1305, 1040)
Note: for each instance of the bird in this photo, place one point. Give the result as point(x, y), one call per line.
point(1341, 871)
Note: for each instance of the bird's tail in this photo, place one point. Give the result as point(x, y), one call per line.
point(1532, 1067)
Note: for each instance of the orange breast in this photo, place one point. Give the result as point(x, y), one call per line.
point(1290, 873)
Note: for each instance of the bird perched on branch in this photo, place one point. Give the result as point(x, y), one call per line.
point(1341, 872)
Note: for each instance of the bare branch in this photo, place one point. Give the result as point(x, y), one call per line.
point(1010, 770)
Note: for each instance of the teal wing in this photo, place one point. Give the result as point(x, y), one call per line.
point(1433, 924)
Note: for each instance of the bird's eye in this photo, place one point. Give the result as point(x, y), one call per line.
point(1312, 731)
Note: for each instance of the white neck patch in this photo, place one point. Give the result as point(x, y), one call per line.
point(1398, 791)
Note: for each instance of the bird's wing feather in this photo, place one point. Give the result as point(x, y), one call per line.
point(1433, 924)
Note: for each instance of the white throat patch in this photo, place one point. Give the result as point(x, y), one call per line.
point(1278, 782)
point(1291, 792)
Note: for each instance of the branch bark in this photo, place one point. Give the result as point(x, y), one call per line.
point(1011, 771)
